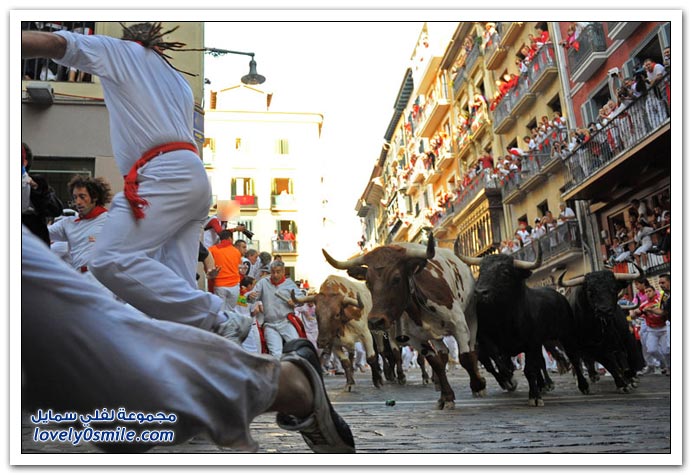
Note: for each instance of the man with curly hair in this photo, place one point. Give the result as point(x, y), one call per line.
point(84, 350)
point(89, 196)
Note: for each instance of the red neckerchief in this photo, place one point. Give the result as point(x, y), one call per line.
point(278, 283)
point(223, 244)
point(96, 211)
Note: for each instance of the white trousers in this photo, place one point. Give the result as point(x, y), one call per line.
point(649, 359)
point(150, 263)
point(657, 345)
point(229, 295)
point(275, 333)
point(253, 343)
point(82, 349)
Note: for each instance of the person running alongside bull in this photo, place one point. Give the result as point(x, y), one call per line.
point(656, 341)
point(277, 318)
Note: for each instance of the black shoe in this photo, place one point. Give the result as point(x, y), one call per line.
point(324, 430)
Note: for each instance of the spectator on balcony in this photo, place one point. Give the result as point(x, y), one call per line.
point(664, 245)
point(566, 214)
point(641, 208)
point(486, 161)
point(620, 231)
point(617, 253)
point(549, 221)
point(559, 122)
point(643, 240)
point(521, 66)
point(543, 34)
point(655, 106)
point(478, 105)
point(530, 143)
point(488, 34)
point(654, 71)
point(571, 41)
point(666, 58)
point(515, 151)
point(526, 54)
point(525, 231)
point(538, 230)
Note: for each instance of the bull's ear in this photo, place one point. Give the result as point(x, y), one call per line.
point(524, 274)
point(358, 272)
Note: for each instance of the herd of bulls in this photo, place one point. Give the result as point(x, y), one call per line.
point(419, 294)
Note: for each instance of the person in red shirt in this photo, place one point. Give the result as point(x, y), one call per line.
point(655, 340)
point(228, 258)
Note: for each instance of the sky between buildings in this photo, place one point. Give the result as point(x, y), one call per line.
point(348, 71)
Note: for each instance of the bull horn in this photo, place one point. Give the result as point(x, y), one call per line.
point(629, 277)
point(629, 307)
point(571, 282)
point(471, 261)
point(530, 265)
point(343, 265)
point(357, 302)
point(430, 250)
point(295, 298)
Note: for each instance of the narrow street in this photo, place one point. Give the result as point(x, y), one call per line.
point(603, 422)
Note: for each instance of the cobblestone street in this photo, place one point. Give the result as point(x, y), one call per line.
point(603, 422)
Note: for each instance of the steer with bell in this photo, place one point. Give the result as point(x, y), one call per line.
point(342, 308)
point(432, 291)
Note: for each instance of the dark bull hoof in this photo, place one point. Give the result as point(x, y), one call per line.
point(442, 404)
point(536, 402)
point(510, 385)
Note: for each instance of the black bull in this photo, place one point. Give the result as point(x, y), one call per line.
point(603, 331)
point(513, 318)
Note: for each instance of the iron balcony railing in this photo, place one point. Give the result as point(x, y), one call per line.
point(471, 58)
point(484, 181)
point(591, 40)
point(284, 247)
point(535, 161)
point(563, 238)
point(43, 69)
point(620, 135)
point(492, 45)
point(544, 59)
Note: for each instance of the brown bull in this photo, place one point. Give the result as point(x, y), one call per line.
point(433, 288)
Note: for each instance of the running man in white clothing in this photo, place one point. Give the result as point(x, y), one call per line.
point(75, 360)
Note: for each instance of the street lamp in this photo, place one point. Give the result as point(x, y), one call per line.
point(250, 78)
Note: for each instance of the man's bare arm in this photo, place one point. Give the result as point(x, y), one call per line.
point(39, 44)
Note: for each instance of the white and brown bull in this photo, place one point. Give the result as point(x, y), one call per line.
point(434, 289)
point(342, 308)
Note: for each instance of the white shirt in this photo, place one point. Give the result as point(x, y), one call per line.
point(149, 103)
point(659, 70)
point(566, 215)
point(76, 234)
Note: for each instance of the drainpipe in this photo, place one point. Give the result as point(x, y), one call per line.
point(562, 74)
point(587, 228)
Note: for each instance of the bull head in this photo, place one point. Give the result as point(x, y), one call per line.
point(627, 277)
point(519, 264)
point(357, 266)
